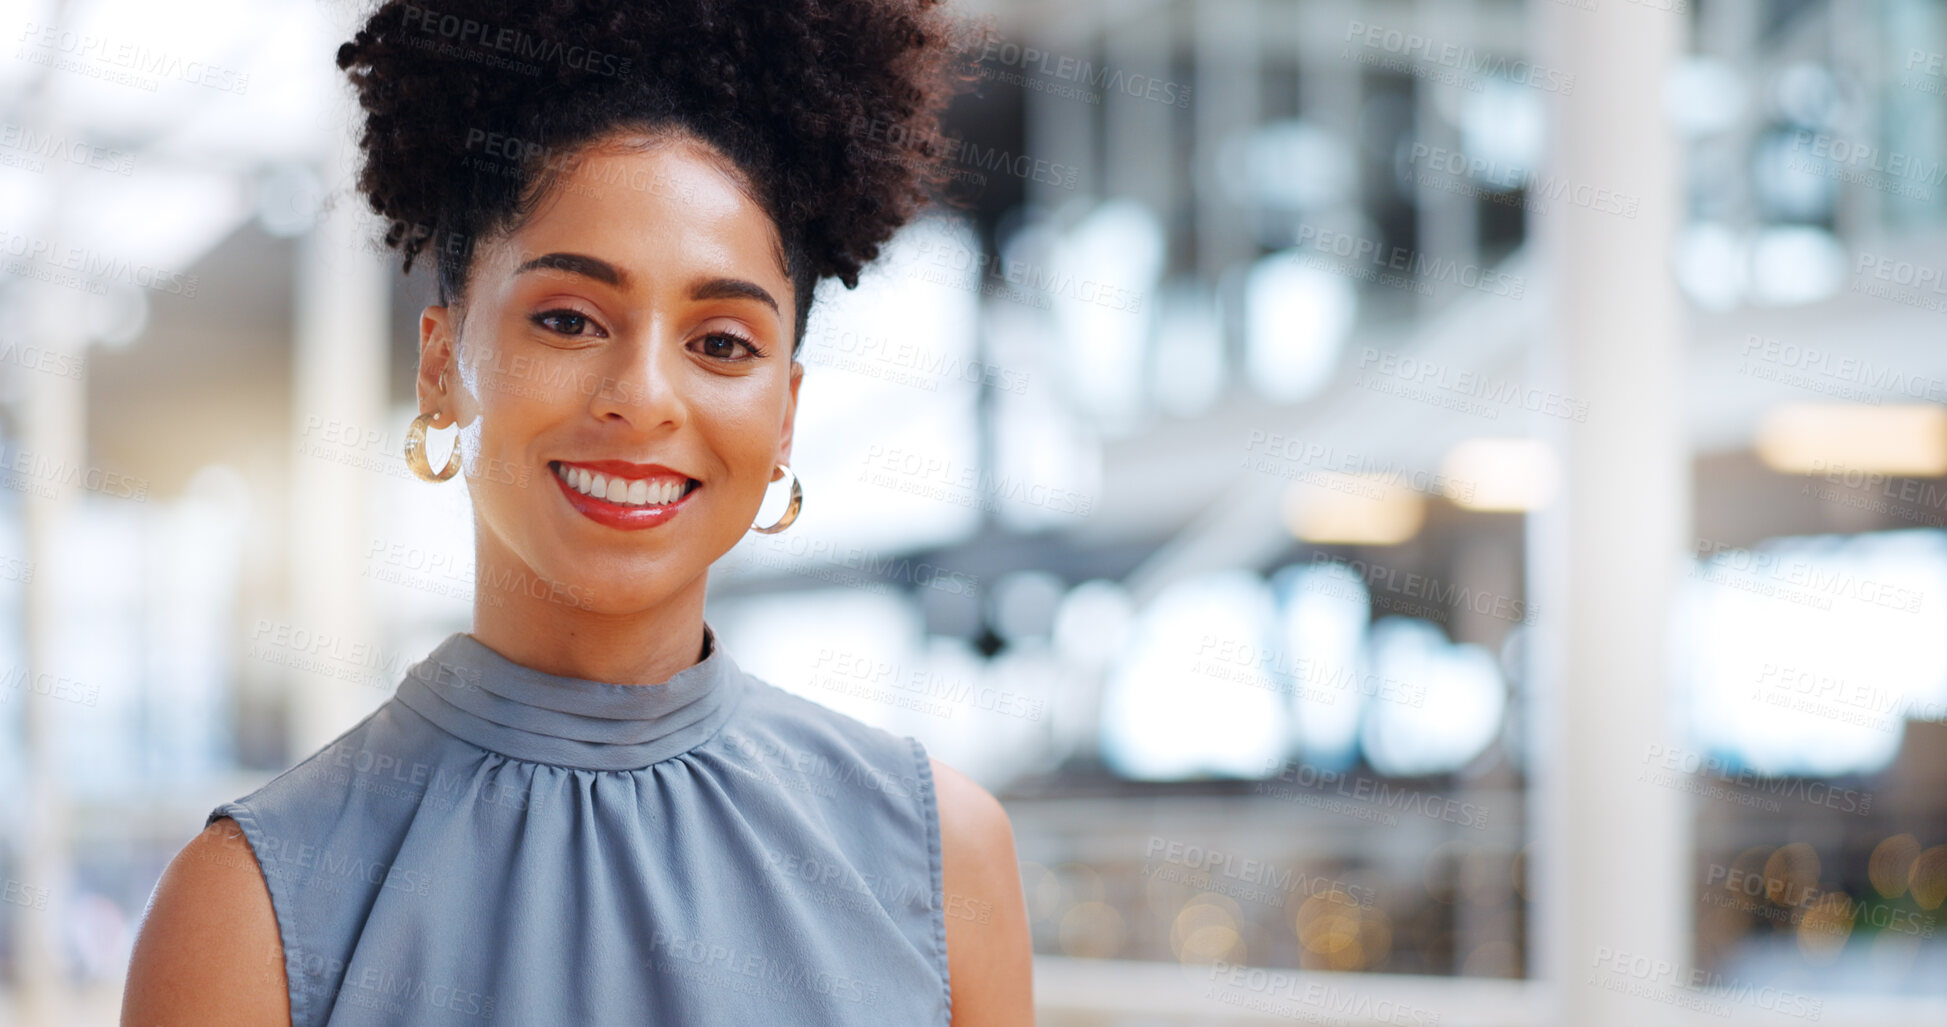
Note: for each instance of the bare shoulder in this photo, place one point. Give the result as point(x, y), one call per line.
point(989, 953)
point(208, 951)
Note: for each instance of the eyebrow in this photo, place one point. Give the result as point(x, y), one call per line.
point(608, 274)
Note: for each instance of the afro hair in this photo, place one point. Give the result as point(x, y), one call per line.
point(829, 108)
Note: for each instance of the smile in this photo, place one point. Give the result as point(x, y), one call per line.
point(624, 491)
point(619, 502)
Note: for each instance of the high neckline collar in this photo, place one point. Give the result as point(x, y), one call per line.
point(473, 692)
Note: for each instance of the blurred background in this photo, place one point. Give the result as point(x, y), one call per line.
point(1424, 512)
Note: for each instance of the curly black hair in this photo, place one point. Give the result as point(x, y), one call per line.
point(829, 108)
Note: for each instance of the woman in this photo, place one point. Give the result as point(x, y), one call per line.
point(583, 811)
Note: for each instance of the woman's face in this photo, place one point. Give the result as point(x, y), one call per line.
point(641, 316)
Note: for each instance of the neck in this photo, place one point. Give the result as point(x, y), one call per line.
point(562, 629)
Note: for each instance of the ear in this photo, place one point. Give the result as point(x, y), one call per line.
point(438, 372)
point(790, 413)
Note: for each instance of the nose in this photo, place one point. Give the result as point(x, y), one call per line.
point(644, 386)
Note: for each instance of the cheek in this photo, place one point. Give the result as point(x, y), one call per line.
point(740, 424)
point(518, 396)
point(497, 452)
point(508, 385)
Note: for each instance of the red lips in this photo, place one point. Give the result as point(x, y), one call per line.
point(618, 515)
point(625, 469)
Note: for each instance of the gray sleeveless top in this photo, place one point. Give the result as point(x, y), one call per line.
point(498, 845)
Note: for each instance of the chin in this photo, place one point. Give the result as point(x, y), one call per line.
point(620, 587)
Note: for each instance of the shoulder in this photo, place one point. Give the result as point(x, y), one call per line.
point(381, 769)
point(972, 822)
point(786, 730)
point(989, 953)
point(207, 950)
point(767, 706)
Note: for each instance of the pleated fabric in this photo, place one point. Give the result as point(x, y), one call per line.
point(499, 845)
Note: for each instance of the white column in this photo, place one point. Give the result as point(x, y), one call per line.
point(1223, 103)
point(53, 426)
point(1611, 852)
point(1332, 89)
point(1449, 218)
point(340, 360)
point(1139, 131)
point(54, 432)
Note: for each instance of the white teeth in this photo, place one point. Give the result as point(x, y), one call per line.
point(638, 492)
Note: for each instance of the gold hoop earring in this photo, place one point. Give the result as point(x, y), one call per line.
point(791, 509)
point(416, 451)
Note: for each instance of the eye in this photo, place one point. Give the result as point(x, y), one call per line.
point(566, 321)
point(721, 338)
